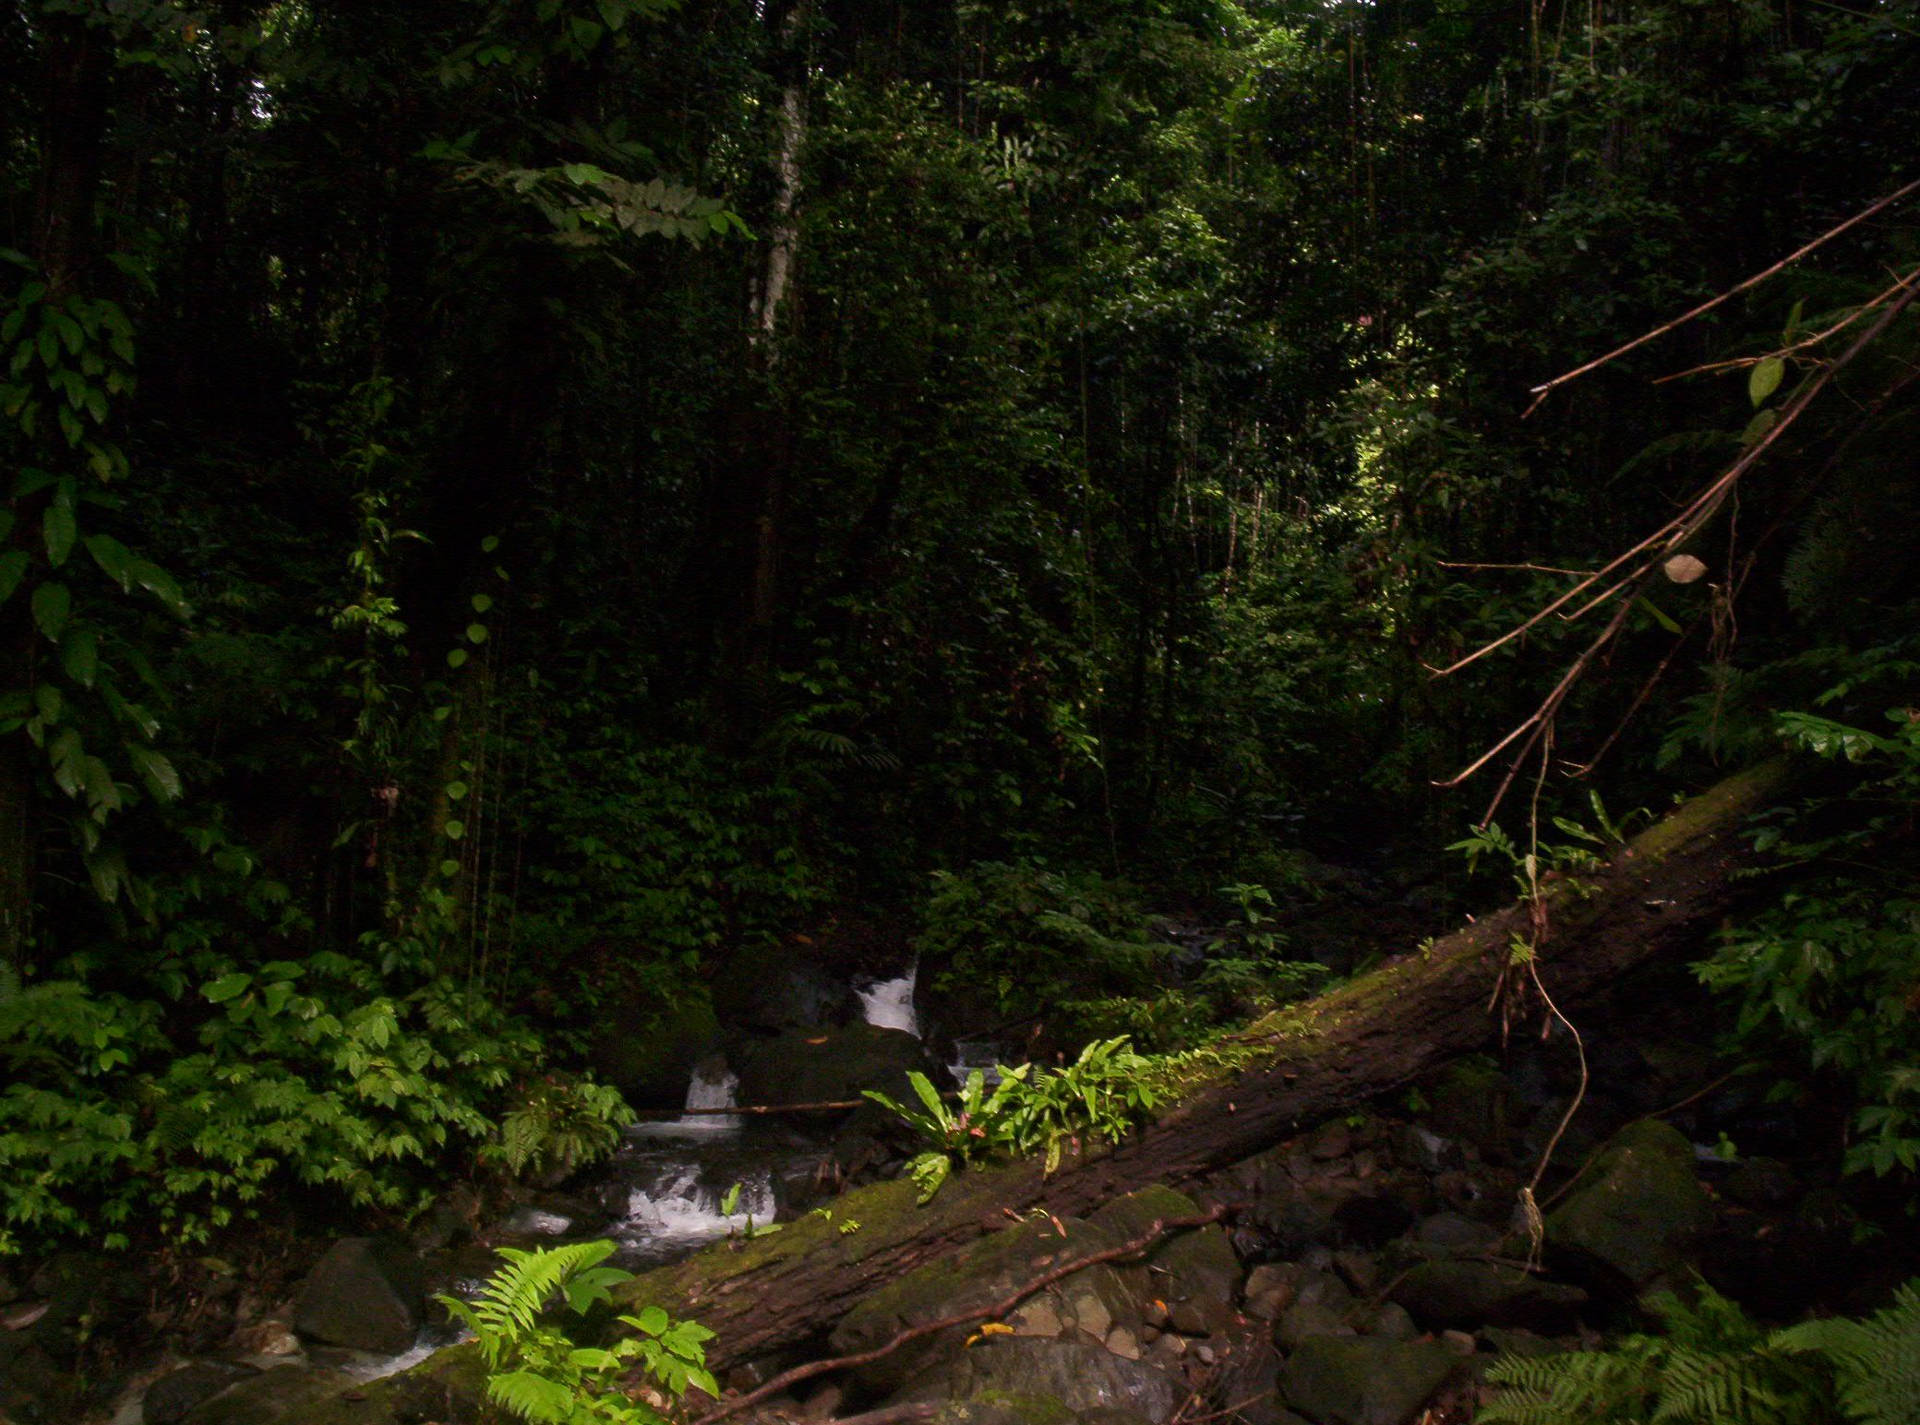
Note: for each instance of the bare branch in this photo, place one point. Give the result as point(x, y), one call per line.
point(1541, 392)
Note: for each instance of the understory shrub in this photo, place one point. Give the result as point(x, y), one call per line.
point(182, 1109)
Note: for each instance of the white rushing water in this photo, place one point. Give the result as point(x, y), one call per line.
point(971, 1054)
point(679, 1210)
point(888, 1004)
point(713, 1086)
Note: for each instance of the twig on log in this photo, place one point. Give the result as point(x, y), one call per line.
point(1155, 1231)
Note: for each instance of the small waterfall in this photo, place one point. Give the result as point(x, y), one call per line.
point(713, 1086)
point(971, 1054)
point(677, 1209)
point(888, 1004)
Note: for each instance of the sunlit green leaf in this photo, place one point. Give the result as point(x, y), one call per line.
point(1765, 379)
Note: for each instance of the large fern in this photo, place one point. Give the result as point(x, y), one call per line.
point(1711, 1365)
point(535, 1371)
point(1876, 1362)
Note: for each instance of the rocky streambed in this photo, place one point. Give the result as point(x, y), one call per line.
point(1363, 1273)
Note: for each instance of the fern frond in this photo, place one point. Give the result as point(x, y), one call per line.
point(1876, 1362)
point(532, 1396)
point(514, 1294)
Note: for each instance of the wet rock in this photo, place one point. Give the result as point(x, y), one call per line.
point(173, 1395)
point(1762, 1184)
point(1443, 1294)
point(366, 1293)
point(267, 1397)
point(1451, 1232)
point(985, 1273)
point(1635, 1212)
point(1305, 1320)
point(1270, 1290)
point(1331, 1140)
point(1473, 1102)
point(1364, 1381)
point(1080, 1375)
point(1249, 1378)
point(1420, 1147)
point(33, 1389)
point(1371, 1220)
point(1514, 1341)
point(1194, 1271)
point(1393, 1322)
point(831, 1065)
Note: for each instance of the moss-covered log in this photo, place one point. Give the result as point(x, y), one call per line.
point(1374, 1035)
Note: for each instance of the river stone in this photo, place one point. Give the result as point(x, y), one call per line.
point(1473, 1102)
point(366, 1293)
point(1079, 1374)
point(1444, 1294)
point(1636, 1210)
point(177, 1392)
point(831, 1065)
point(985, 1273)
point(1364, 1380)
point(270, 1396)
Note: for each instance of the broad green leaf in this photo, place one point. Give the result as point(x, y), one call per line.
point(1659, 616)
point(159, 583)
point(156, 771)
point(102, 795)
point(47, 700)
point(60, 529)
point(449, 867)
point(1765, 379)
point(454, 830)
point(489, 544)
point(457, 657)
point(456, 791)
point(653, 1320)
point(80, 655)
point(227, 987)
point(51, 605)
point(476, 633)
point(481, 602)
point(13, 564)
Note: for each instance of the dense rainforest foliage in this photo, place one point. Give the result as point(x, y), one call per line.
point(513, 507)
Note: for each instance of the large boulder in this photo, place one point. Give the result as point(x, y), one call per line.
point(367, 1293)
point(1195, 1272)
point(831, 1065)
point(1635, 1212)
point(1364, 1380)
point(1093, 1301)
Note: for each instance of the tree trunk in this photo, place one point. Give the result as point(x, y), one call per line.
point(1374, 1036)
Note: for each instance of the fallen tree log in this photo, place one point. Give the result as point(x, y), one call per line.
point(1378, 1034)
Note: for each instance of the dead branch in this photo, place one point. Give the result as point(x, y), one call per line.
point(1155, 1231)
point(1541, 392)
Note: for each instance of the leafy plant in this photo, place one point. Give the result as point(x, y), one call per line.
point(536, 1371)
point(1712, 1365)
point(561, 1124)
point(730, 1203)
point(1027, 934)
point(1102, 1094)
point(1827, 971)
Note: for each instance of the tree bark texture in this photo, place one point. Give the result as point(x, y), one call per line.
point(1372, 1037)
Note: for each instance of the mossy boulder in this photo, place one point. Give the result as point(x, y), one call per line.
point(1194, 1271)
point(1093, 1301)
point(366, 1293)
point(1366, 1380)
point(1635, 1212)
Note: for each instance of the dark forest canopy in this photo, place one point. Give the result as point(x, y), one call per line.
point(514, 506)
